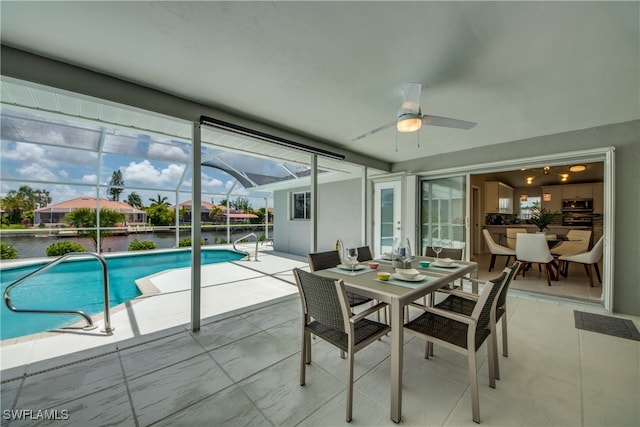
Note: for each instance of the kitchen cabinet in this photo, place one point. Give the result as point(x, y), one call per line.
point(598, 198)
point(577, 191)
point(555, 204)
point(498, 197)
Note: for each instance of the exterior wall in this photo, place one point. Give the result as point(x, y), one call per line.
point(339, 211)
point(625, 137)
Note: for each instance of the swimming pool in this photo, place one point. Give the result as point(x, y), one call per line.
point(77, 285)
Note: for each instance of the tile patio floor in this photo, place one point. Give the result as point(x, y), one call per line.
point(241, 368)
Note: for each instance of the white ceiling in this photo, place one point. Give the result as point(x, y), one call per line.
point(333, 70)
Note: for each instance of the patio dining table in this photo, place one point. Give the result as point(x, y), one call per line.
point(398, 293)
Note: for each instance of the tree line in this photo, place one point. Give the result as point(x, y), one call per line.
point(19, 205)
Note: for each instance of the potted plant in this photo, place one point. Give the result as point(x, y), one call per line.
point(541, 217)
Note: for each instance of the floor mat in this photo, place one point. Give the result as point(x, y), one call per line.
point(607, 325)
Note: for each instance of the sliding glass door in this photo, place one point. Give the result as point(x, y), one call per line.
point(443, 212)
point(386, 216)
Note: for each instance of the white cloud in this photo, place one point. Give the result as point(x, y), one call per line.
point(89, 179)
point(37, 172)
point(168, 153)
point(146, 173)
point(208, 181)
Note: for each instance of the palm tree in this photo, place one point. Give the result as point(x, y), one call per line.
point(135, 200)
point(85, 218)
point(159, 200)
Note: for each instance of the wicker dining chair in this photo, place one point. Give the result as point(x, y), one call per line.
point(326, 314)
point(464, 303)
point(330, 259)
point(463, 334)
point(364, 254)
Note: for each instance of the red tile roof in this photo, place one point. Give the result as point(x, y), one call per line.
point(89, 202)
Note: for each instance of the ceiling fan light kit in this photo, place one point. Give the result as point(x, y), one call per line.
point(410, 117)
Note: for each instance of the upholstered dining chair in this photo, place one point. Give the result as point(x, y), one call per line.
point(463, 334)
point(512, 234)
point(464, 303)
point(326, 314)
point(496, 249)
point(533, 248)
point(588, 259)
point(577, 243)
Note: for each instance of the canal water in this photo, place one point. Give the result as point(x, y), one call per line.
point(30, 246)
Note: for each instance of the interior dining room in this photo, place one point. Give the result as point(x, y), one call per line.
point(506, 199)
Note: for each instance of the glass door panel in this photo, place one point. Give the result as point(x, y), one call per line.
point(386, 216)
point(443, 212)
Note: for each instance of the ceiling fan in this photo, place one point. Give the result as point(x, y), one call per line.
point(410, 117)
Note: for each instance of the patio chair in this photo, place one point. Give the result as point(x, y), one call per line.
point(533, 248)
point(364, 254)
point(326, 314)
point(330, 259)
point(463, 334)
point(577, 243)
point(464, 303)
point(588, 259)
point(496, 249)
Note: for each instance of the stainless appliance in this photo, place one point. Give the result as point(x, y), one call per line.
point(577, 220)
point(581, 205)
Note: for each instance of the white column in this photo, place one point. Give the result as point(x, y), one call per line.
point(196, 181)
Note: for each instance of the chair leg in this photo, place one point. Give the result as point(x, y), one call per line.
point(493, 261)
point(303, 357)
point(547, 273)
point(589, 273)
point(350, 388)
point(508, 259)
point(595, 266)
point(473, 382)
point(492, 360)
point(505, 346)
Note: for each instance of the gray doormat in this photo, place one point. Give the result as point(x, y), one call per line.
point(607, 325)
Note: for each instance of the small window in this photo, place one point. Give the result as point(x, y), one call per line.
point(525, 206)
point(301, 206)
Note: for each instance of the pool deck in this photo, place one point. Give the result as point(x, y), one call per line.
point(227, 288)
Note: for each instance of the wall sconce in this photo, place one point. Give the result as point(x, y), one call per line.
point(546, 197)
point(523, 197)
point(564, 177)
point(530, 180)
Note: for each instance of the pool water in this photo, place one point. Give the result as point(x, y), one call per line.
point(77, 285)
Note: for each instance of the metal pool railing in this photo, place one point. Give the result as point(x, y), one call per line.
point(105, 279)
point(245, 252)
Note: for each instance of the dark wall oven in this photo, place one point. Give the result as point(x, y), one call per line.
point(581, 205)
point(577, 213)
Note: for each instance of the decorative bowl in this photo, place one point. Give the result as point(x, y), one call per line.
point(445, 262)
point(373, 265)
point(407, 273)
point(383, 275)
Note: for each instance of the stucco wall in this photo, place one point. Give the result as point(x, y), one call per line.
point(339, 213)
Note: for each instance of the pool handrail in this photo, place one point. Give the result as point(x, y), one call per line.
point(245, 252)
point(105, 280)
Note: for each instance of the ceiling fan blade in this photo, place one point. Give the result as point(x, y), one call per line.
point(371, 132)
point(411, 93)
point(447, 122)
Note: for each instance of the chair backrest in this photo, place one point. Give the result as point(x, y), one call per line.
point(502, 296)
point(491, 244)
point(323, 299)
point(452, 253)
point(595, 253)
point(532, 247)
point(512, 233)
point(578, 240)
point(482, 310)
point(364, 254)
point(324, 260)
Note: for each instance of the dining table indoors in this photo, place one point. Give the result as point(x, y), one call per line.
point(398, 293)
